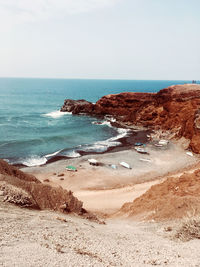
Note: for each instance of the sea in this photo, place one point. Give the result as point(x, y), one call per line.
point(33, 130)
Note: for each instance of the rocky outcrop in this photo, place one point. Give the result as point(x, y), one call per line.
point(26, 191)
point(175, 109)
point(77, 106)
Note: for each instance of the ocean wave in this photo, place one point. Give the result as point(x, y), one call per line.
point(103, 146)
point(102, 123)
point(53, 154)
point(37, 161)
point(56, 114)
point(98, 146)
point(34, 161)
point(72, 154)
point(110, 118)
point(106, 123)
point(122, 133)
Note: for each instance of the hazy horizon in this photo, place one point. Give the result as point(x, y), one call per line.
point(100, 39)
point(54, 78)
point(106, 79)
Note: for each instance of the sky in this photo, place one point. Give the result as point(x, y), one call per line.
point(100, 39)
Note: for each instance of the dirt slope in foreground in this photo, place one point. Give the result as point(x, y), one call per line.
point(10, 170)
point(172, 199)
point(25, 190)
point(49, 239)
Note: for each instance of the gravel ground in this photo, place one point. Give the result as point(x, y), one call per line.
point(44, 238)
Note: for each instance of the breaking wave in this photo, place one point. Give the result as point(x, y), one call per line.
point(103, 146)
point(53, 154)
point(72, 154)
point(96, 147)
point(34, 161)
point(56, 114)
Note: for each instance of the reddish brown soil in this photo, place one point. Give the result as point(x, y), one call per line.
point(174, 198)
point(41, 196)
point(10, 170)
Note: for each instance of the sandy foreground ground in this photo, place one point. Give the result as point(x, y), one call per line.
point(103, 189)
point(44, 238)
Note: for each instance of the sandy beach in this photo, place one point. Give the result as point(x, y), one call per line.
point(104, 190)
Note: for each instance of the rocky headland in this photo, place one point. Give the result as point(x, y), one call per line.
point(175, 109)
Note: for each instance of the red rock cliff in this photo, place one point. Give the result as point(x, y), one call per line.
point(176, 108)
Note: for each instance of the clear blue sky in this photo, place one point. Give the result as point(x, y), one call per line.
point(108, 39)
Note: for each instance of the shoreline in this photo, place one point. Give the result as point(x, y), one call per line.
point(126, 143)
point(104, 190)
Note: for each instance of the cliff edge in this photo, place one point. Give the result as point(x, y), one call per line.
point(175, 109)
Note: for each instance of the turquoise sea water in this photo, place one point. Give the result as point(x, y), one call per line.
point(32, 130)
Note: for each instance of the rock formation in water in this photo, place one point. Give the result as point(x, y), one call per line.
point(175, 109)
point(77, 106)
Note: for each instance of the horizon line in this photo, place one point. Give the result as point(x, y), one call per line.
point(111, 79)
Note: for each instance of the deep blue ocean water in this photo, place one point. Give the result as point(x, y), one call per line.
point(32, 128)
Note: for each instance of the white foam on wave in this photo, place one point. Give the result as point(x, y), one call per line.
point(106, 123)
point(113, 141)
point(110, 118)
point(34, 161)
point(102, 123)
point(53, 154)
point(73, 154)
point(102, 146)
point(37, 161)
point(122, 133)
point(95, 148)
point(56, 114)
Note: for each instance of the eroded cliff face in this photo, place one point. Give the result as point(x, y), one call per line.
point(175, 109)
point(25, 190)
